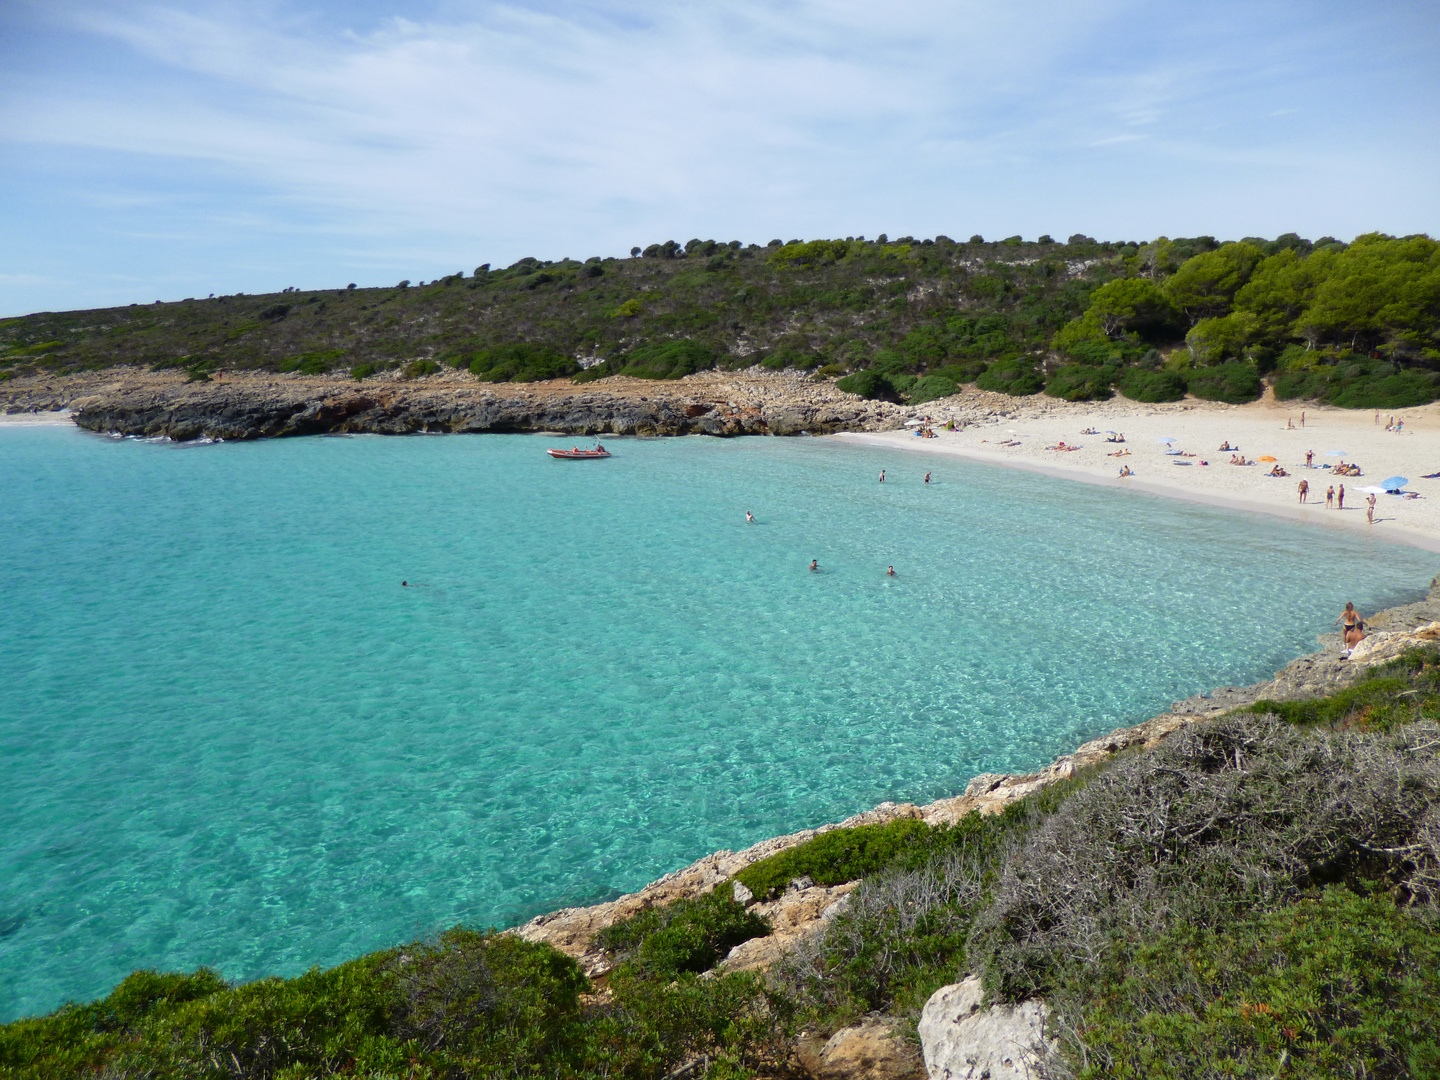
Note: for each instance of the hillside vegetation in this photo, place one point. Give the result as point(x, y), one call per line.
point(1257, 896)
point(1354, 325)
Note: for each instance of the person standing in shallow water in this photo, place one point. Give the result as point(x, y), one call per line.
point(882, 476)
point(927, 478)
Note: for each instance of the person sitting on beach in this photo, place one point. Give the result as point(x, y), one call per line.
point(1235, 459)
point(1277, 471)
point(1226, 446)
point(1125, 471)
point(1089, 431)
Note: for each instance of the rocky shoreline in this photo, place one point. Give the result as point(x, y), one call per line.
point(254, 405)
point(805, 909)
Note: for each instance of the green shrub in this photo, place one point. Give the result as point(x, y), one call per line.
point(418, 368)
point(686, 936)
point(312, 363)
point(963, 371)
point(834, 857)
point(1337, 985)
point(1234, 383)
point(522, 362)
point(870, 384)
point(1400, 692)
point(360, 372)
point(1365, 385)
point(1014, 376)
point(1080, 382)
point(667, 359)
point(1137, 384)
point(932, 387)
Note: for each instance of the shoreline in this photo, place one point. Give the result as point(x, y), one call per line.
point(805, 909)
point(1258, 428)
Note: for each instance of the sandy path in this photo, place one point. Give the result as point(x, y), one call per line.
point(1258, 429)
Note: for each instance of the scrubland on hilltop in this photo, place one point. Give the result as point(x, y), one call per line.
point(1355, 325)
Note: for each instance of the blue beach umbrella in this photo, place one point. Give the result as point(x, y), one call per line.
point(1395, 483)
point(1167, 439)
point(1334, 453)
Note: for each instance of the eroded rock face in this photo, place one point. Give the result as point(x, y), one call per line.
point(962, 1040)
point(874, 1050)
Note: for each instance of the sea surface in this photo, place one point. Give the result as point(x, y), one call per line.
point(229, 736)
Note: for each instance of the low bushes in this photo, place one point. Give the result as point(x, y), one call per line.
point(1015, 376)
point(1138, 384)
point(1234, 383)
point(686, 936)
point(521, 362)
point(1081, 382)
point(870, 384)
point(834, 857)
point(1359, 383)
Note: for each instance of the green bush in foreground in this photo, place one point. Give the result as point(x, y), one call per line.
point(834, 857)
point(1137, 384)
point(869, 384)
point(1400, 692)
point(686, 936)
point(1331, 986)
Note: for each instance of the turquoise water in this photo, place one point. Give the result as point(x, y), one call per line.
point(229, 737)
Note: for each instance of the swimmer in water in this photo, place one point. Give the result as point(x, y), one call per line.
point(890, 572)
point(404, 584)
point(927, 478)
point(749, 516)
point(882, 476)
point(814, 566)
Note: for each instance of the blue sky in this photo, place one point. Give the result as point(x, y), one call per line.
point(163, 150)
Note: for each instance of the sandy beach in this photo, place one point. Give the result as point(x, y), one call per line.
point(36, 419)
point(1021, 436)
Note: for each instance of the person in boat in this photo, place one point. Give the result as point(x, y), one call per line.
point(890, 572)
point(814, 566)
point(599, 449)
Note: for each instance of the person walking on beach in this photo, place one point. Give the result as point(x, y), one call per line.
point(1370, 508)
point(1340, 498)
point(1330, 497)
point(1302, 417)
point(1304, 491)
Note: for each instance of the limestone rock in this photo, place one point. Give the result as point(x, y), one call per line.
point(796, 916)
point(960, 1040)
point(874, 1050)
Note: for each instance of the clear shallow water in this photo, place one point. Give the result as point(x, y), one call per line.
point(228, 736)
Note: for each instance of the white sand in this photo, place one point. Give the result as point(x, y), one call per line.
point(1200, 427)
point(34, 419)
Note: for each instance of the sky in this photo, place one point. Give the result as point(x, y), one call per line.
point(156, 151)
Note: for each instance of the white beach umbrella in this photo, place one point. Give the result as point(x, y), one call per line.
point(1334, 453)
point(1167, 439)
point(913, 423)
point(1373, 490)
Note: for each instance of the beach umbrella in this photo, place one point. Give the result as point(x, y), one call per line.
point(1334, 453)
point(1265, 457)
point(1109, 432)
point(1373, 490)
point(1394, 483)
point(1167, 439)
point(913, 423)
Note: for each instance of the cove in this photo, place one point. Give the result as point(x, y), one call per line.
point(229, 737)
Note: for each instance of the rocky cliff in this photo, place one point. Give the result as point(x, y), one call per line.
point(265, 405)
